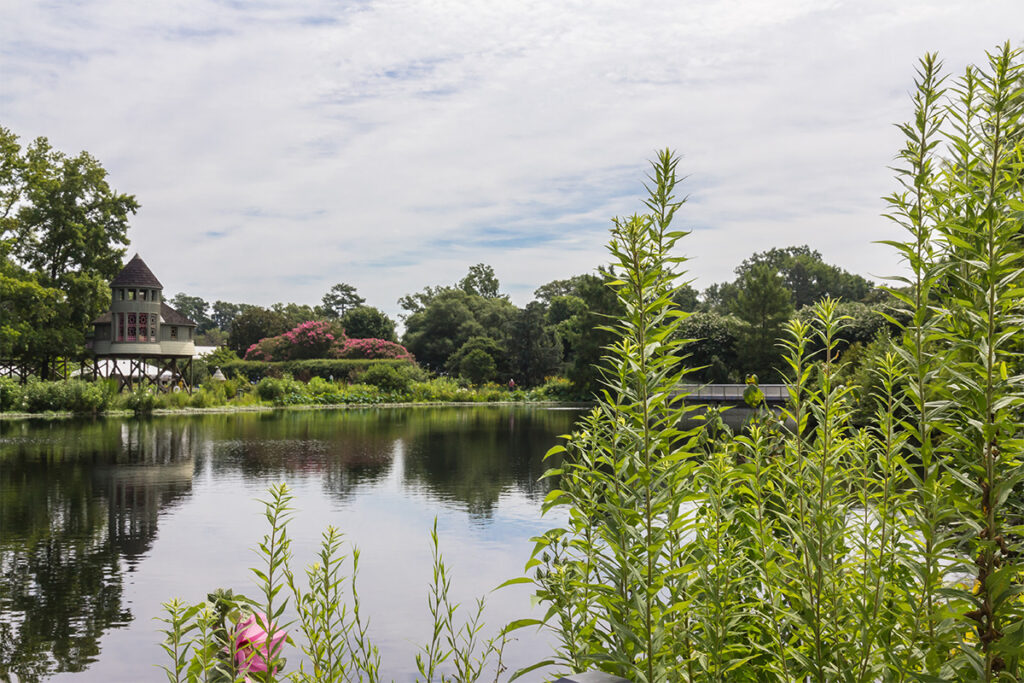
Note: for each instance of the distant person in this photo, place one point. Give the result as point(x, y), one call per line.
point(511, 385)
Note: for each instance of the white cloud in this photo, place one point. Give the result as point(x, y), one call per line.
point(279, 148)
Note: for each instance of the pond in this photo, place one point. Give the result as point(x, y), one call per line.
point(102, 521)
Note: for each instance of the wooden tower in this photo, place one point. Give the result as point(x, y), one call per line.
point(141, 341)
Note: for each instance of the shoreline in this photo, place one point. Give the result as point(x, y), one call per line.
point(214, 410)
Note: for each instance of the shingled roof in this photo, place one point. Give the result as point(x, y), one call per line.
point(136, 274)
point(169, 316)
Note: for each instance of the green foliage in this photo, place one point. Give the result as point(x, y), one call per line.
point(275, 389)
point(763, 306)
point(194, 308)
point(339, 300)
point(10, 394)
point(585, 336)
point(534, 349)
point(367, 322)
point(480, 281)
point(484, 345)
point(390, 378)
point(63, 230)
point(445, 318)
point(477, 366)
point(141, 401)
point(807, 548)
point(439, 390)
point(713, 346)
point(557, 389)
point(220, 356)
point(807, 277)
point(75, 396)
point(253, 324)
point(327, 368)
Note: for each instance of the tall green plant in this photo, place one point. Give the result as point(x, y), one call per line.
point(982, 224)
point(615, 571)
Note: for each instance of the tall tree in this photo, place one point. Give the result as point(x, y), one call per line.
point(339, 299)
point(440, 329)
point(65, 228)
point(763, 305)
point(533, 347)
point(71, 221)
point(194, 308)
point(253, 324)
point(804, 274)
point(418, 301)
point(224, 313)
point(480, 280)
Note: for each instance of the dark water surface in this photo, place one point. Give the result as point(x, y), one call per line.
point(102, 521)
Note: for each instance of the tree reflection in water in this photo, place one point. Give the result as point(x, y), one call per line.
point(78, 506)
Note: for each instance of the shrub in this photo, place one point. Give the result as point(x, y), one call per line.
point(311, 339)
point(173, 399)
point(85, 397)
point(387, 378)
point(203, 398)
point(440, 389)
point(557, 389)
point(271, 389)
point(345, 369)
point(141, 401)
point(371, 349)
point(10, 394)
point(76, 396)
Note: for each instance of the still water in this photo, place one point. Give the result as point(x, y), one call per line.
point(102, 521)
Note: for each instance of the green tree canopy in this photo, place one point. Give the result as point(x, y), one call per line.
point(367, 322)
point(340, 298)
point(253, 324)
point(194, 308)
point(804, 274)
point(467, 360)
point(534, 349)
point(480, 280)
point(63, 228)
point(224, 313)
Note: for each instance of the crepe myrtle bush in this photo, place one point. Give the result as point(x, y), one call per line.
point(311, 339)
point(370, 349)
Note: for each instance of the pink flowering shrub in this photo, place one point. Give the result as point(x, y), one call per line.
point(311, 339)
point(370, 348)
point(268, 349)
point(254, 647)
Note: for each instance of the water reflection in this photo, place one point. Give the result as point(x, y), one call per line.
point(81, 501)
point(79, 504)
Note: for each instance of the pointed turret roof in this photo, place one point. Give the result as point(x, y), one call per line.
point(136, 274)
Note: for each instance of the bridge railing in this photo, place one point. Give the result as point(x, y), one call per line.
point(732, 393)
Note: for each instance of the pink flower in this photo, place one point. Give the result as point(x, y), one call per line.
point(253, 652)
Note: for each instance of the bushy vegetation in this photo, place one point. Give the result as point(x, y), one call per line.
point(370, 383)
point(73, 396)
point(325, 368)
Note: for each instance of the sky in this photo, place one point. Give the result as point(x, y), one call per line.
point(278, 148)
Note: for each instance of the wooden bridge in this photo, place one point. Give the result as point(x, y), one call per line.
point(718, 394)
